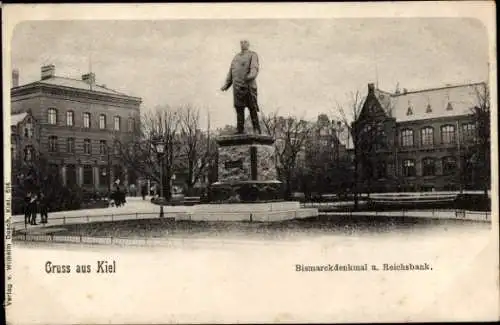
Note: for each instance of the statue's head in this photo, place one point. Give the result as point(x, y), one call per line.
point(244, 45)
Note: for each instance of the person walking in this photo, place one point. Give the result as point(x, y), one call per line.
point(33, 209)
point(44, 209)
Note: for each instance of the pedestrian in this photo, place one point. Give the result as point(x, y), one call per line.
point(27, 211)
point(33, 209)
point(44, 209)
point(133, 190)
point(144, 191)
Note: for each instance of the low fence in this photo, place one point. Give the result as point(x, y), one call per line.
point(484, 216)
point(65, 220)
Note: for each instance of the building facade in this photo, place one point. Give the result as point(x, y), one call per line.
point(418, 141)
point(73, 126)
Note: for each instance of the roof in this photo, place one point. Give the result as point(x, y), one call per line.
point(430, 103)
point(15, 119)
point(76, 83)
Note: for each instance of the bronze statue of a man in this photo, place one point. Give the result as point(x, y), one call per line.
point(242, 74)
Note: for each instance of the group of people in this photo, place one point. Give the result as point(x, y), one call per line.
point(34, 204)
point(118, 197)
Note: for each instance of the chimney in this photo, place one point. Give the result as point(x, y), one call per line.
point(89, 78)
point(15, 78)
point(371, 87)
point(48, 71)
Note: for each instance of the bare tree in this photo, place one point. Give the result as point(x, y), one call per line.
point(349, 114)
point(197, 149)
point(324, 169)
point(481, 112)
point(139, 152)
point(290, 134)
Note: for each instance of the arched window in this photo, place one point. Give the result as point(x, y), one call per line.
point(407, 138)
point(102, 121)
point(70, 118)
point(86, 120)
point(52, 116)
point(449, 165)
point(427, 136)
point(447, 134)
point(428, 167)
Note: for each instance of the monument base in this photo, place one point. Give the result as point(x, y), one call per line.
point(245, 191)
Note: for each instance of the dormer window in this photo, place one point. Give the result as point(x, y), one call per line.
point(428, 109)
point(449, 107)
point(409, 111)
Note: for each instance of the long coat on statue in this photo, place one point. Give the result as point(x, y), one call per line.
point(242, 74)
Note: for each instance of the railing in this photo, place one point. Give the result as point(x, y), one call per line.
point(451, 214)
point(238, 216)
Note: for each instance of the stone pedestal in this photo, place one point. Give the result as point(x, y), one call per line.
point(246, 170)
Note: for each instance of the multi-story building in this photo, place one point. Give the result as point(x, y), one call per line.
point(418, 140)
point(73, 125)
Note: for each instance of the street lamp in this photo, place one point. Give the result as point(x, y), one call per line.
point(160, 149)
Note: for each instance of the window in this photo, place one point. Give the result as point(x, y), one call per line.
point(409, 111)
point(428, 109)
point(130, 127)
point(103, 147)
point(88, 175)
point(70, 145)
point(428, 167)
point(407, 138)
point(381, 170)
point(447, 134)
point(71, 174)
point(70, 118)
point(102, 121)
point(28, 129)
point(52, 116)
point(427, 136)
point(449, 107)
point(409, 168)
point(117, 123)
point(53, 143)
point(469, 131)
point(449, 165)
point(29, 153)
point(87, 147)
point(86, 120)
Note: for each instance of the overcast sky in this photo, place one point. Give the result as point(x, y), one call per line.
point(306, 65)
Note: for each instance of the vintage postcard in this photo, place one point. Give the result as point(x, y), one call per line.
point(255, 163)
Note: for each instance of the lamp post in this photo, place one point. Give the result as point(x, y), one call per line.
point(160, 149)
